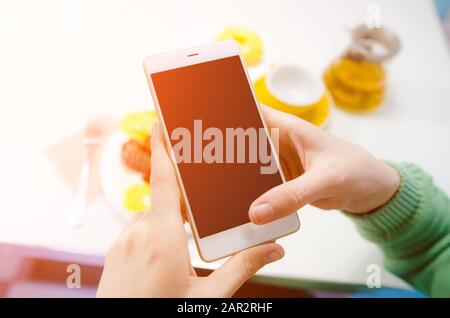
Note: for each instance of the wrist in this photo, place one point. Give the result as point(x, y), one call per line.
point(400, 209)
point(384, 184)
point(390, 185)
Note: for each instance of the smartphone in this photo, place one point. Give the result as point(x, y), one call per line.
point(217, 139)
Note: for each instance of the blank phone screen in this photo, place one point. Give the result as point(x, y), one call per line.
point(217, 94)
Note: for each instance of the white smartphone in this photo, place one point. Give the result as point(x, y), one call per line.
point(219, 144)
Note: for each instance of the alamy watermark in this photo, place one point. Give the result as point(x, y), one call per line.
point(74, 278)
point(234, 145)
point(374, 278)
point(373, 18)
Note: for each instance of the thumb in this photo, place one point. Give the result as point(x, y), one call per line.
point(285, 199)
point(226, 280)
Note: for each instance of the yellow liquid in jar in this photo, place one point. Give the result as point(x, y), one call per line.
point(356, 85)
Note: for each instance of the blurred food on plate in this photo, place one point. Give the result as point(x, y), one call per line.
point(357, 79)
point(137, 197)
point(249, 42)
point(137, 125)
point(135, 155)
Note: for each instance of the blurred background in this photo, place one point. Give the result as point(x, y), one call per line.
point(75, 107)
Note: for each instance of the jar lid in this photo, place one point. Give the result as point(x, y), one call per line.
point(374, 44)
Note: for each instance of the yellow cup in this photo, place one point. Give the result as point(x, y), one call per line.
point(296, 91)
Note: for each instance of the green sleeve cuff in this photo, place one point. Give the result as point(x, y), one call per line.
point(413, 231)
point(400, 211)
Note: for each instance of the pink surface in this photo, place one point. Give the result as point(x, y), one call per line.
point(36, 272)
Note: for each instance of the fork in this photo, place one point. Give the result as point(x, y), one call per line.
point(92, 138)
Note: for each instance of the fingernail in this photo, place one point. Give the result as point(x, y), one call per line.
point(275, 255)
point(154, 128)
point(263, 213)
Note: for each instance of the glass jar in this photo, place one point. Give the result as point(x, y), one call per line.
point(357, 79)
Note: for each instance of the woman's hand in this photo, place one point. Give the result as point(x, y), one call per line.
point(151, 257)
point(322, 170)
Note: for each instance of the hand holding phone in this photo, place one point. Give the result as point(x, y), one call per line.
point(218, 142)
point(324, 171)
point(151, 257)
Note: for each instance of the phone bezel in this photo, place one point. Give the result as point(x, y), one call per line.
point(231, 241)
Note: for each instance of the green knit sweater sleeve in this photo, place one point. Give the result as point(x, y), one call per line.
point(413, 232)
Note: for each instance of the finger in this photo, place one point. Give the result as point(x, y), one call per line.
point(274, 119)
point(278, 119)
point(293, 134)
point(290, 126)
point(226, 280)
point(286, 198)
point(165, 201)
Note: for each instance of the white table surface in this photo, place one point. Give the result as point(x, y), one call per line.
point(62, 60)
